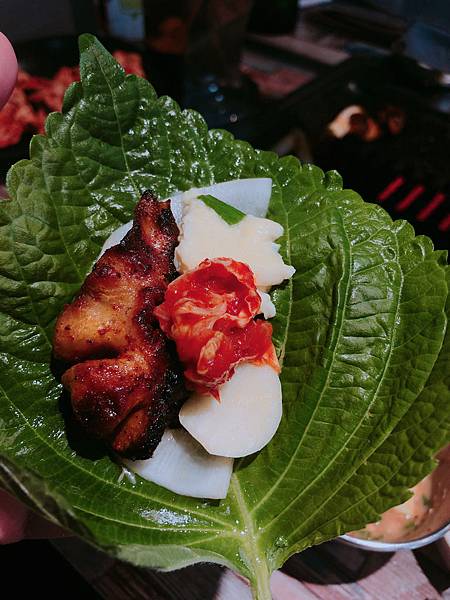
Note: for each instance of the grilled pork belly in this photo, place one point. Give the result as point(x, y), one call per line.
point(126, 384)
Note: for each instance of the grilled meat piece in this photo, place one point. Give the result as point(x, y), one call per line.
point(127, 383)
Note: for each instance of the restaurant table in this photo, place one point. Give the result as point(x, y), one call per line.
point(332, 571)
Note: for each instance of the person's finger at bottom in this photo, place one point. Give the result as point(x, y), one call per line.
point(13, 519)
point(8, 69)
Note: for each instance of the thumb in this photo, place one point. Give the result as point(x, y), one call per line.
point(13, 517)
point(8, 69)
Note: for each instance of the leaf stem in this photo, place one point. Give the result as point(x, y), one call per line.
point(256, 560)
point(261, 582)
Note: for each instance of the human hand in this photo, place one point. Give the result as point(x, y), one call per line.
point(8, 69)
point(17, 522)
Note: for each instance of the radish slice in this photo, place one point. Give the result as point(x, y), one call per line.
point(251, 196)
point(267, 306)
point(182, 466)
point(204, 234)
point(176, 206)
point(245, 419)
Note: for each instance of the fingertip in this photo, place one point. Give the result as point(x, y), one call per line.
point(8, 69)
point(13, 519)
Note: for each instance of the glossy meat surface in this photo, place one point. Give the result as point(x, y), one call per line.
point(126, 383)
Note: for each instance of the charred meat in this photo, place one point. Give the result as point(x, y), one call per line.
point(125, 383)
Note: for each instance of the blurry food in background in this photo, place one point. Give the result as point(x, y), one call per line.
point(131, 62)
point(167, 24)
point(49, 92)
point(392, 154)
point(394, 118)
point(425, 512)
point(35, 97)
point(274, 78)
point(277, 84)
point(355, 120)
point(398, 522)
point(16, 117)
point(340, 126)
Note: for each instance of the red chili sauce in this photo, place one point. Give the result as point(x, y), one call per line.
point(209, 313)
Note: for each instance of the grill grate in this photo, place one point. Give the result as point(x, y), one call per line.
point(404, 168)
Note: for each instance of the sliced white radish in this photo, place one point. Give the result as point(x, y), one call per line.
point(267, 306)
point(182, 466)
point(176, 206)
point(204, 234)
point(251, 196)
point(245, 419)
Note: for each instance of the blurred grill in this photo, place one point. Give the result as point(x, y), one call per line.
point(406, 172)
point(430, 205)
point(394, 149)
